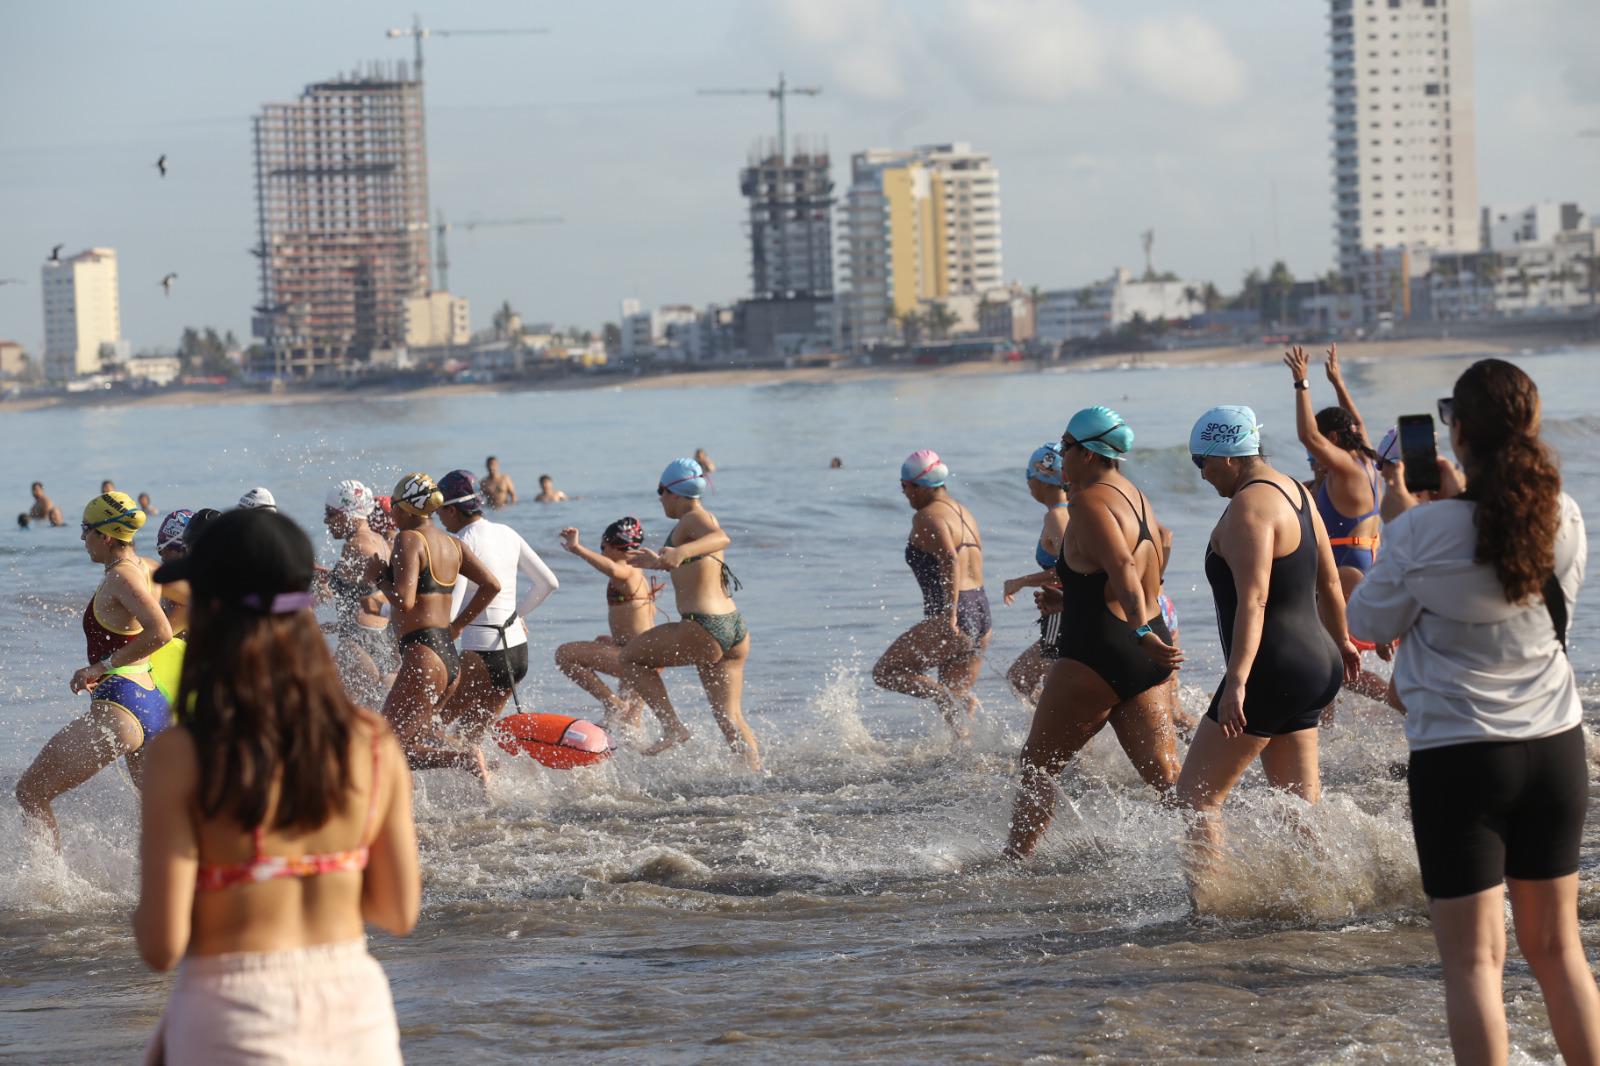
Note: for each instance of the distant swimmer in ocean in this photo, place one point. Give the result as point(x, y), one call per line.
point(495, 646)
point(43, 509)
point(712, 636)
point(836, 463)
point(366, 654)
point(1043, 478)
point(123, 625)
point(705, 461)
point(107, 486)
point(548, 493)
point(1280, 614)
point(630, 610)
point(258, 498)
point(146, 506)
point(418, 578)
point(1115, 653)
point(275, 825)
point(945, 553)
point(1348, 482)
point(498, 488)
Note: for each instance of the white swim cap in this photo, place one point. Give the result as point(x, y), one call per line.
point(351, 498)
point(258, 497)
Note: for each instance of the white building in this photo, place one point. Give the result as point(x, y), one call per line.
point(81, 313)
point(1094, 310)
point(1405, 171)
point(667, 331)
point(919, 225)
point(157, 370)
point(1535, 224)
point(437, 319)
point(1559, 276)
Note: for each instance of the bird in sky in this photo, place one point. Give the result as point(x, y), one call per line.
point(55, 254)
point(166, 284)
point(161, 165)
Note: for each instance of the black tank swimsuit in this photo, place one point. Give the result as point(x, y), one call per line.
point(1298, 670)
point(1093, 636)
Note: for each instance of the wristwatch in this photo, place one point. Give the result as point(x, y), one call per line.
point(1302, 385)
point(1142, 632)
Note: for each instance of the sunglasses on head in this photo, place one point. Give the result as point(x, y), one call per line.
point(1447, 410)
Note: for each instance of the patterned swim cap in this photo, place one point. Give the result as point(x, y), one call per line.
point(351, 498)
point(417, 494)
point(1045, 464)
point(116, 515)
point(172, 529)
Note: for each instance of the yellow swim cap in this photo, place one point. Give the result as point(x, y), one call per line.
point(417, 494)
point(114, 514)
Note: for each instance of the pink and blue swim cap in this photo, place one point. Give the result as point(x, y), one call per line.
point(924, 467)
point(684, 477)
point(1045, 464)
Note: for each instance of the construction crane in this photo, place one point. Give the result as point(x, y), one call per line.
point(783, 91)
point(417, 31)
point(442, 228)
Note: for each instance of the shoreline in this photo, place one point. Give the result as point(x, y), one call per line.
point(1222, 355)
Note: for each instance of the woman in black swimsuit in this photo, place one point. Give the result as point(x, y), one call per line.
point(945, 554)
point(1280, 614)
point(417, 579)
point(1109, 669)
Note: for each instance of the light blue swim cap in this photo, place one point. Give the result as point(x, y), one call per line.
point(1045, 464)
point(924, 467)
point(1102, 431)
point(684, 477)
point(1229, 431)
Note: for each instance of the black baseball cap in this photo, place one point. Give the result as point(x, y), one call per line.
point(257, 559)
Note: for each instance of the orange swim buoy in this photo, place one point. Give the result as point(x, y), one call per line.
point(558, 741)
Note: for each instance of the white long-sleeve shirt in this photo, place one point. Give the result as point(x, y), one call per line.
point(505, 554)
point(1470, 666)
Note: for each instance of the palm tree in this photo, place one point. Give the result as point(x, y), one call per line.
point(1280, 281)
point(941, 320)
point(1034, 296)
point(1210, 297)
point(911, 324)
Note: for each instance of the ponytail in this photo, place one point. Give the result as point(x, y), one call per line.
point(1339, 426)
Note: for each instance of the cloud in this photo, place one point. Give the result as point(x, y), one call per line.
point(1019, 51)
point(867, 46)
point(1185, 58)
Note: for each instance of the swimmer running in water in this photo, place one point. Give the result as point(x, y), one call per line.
point(630, 610)
point(1043, 476)
point(495, 647)
point(712, 636)
point(1114, 654)
point(366, 654)
point(418, 578)
point(170, 545)
point(43, 509)
point(945, 553)
point(123, 625)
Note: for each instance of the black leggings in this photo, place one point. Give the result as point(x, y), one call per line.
point(1489, 810)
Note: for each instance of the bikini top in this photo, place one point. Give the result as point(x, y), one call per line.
point(616, 597)
point(1339, 526)
point(730, 580)
point(264, 867)
point(1042, 555)
point(427, 583)
point(101, 638)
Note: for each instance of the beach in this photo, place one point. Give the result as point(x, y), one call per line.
point(850, 904)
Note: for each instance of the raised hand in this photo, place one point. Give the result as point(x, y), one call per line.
point(1295, 359)
point(1332, 365)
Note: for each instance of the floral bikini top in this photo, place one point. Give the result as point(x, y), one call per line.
point(264, 867)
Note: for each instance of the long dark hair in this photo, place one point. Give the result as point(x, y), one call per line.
point(1339, 426)
point(1511, 475)
point(264, 703)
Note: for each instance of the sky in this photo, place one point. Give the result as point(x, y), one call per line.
point(1206, 122)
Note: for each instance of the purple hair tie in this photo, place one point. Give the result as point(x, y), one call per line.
point(282, 603)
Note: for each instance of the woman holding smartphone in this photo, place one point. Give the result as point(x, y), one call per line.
point(1479, 586)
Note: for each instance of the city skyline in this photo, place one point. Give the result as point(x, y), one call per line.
point(1211, 129)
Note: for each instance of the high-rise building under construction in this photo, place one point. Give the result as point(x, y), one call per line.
point(791, 221)
point(342, 211)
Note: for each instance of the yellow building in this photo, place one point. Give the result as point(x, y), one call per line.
point(81, 313)
point(437, 320)
point(920, 225)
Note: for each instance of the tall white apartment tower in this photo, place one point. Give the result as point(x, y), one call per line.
point(80, 312)
point(1404, 150)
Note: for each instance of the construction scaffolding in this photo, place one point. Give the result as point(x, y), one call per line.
point(342, 213)
point(791, 221)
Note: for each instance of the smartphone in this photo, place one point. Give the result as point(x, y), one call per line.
point(1419, 450)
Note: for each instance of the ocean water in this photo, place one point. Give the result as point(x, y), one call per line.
point(849, 904)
